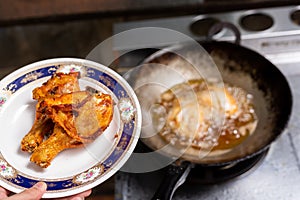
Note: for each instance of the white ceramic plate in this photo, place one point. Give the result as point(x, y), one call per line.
point(73, 170)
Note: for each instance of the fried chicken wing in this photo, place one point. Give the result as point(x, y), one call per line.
point(57, 142)
point(65, 118)
point(58, 84)
point(36, 134)
point(79, 118)
point(84, 116)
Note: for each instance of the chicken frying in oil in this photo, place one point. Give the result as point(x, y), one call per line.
point(206, 115)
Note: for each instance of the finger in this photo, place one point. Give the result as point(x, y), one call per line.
point(34, 193)
point(3, 193)
point(84, 194)
point(79, 196)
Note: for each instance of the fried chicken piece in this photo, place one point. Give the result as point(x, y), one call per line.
point(36, 134)
point(82, 115)
point(79, 118)
point(57, 142)
point(67, 116)
point(58, 84)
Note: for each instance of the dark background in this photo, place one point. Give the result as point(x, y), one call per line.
point(32, 30)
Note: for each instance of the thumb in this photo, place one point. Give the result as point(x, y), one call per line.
point(34, 193)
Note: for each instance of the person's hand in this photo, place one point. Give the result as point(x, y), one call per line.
point(36, 192)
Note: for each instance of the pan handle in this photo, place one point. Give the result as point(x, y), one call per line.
point(221, 25)
point(175, 176)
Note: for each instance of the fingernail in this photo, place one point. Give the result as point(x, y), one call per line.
point(41, 185)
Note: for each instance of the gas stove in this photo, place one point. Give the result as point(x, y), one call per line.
point(274, 33)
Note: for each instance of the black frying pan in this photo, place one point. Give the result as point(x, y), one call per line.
point(239, 66)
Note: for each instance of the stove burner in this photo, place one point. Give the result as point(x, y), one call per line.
point(295, 17)
point(201, 27)
point(216, 174)
point(256, 22)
